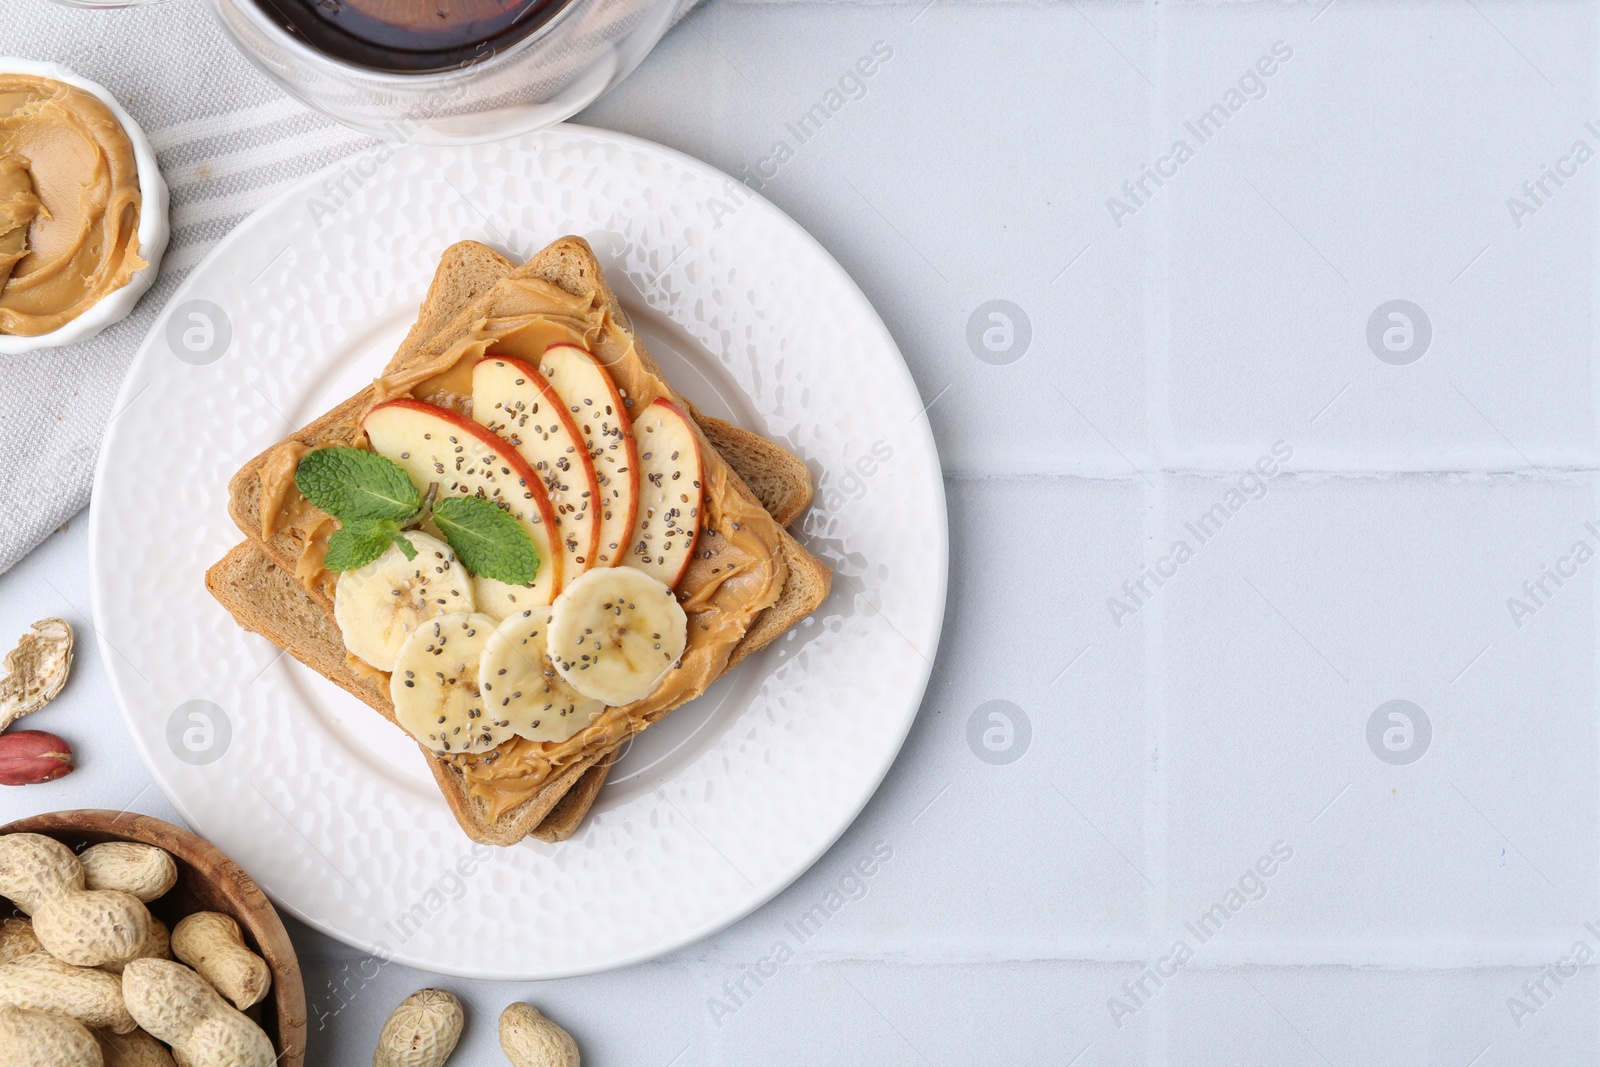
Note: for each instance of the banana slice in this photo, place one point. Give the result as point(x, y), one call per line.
point(380, 605)
point(615, 633)
point(434, 686)
point(518, 683)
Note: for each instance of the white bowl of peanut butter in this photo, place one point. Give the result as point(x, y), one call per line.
point(83, 208)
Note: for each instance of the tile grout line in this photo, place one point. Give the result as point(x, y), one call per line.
point(1223, 466)
point(1594, 496)
point(1156, 776)
point(1464, 955)
point(1158, 432)
point(1594, 663)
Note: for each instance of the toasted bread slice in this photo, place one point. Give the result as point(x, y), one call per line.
point(779, 478)
point(568, 814)
point(468, 270)
point(245, 583)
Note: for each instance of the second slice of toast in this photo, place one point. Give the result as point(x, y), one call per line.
point(255, 580)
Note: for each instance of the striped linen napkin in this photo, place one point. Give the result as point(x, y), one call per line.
point(228, 140)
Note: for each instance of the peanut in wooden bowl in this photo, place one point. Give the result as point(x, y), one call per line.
point(207, 881)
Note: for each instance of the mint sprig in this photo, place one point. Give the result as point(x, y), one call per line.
point(354, 485)
point(375, 502)
point(357, 545)
point(489, 542)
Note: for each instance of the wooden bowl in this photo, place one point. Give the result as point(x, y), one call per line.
point(207, 881)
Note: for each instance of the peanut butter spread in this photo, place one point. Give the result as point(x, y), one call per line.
point(738, 569)
point(18, 206)
point(69, 184)
point(284, 508)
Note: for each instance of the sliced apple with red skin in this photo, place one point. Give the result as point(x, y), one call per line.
point(671, 493)
point(513, 401)
point(435, 444)
point(598, 410)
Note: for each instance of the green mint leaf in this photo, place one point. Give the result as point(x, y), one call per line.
point(356, 546)
point(407, 549)
point(488, 541)
point(355, 486)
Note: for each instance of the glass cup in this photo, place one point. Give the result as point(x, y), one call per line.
point(442, 71)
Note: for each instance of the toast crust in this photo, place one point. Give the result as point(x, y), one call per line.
point(568, 263)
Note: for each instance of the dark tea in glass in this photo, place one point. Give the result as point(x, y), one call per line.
point(410, 36)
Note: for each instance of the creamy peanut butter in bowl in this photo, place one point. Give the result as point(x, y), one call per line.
point(83, 208)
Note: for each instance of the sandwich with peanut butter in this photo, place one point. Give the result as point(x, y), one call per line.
point(527, 545)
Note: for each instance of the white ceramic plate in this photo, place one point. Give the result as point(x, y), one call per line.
point(713, 810)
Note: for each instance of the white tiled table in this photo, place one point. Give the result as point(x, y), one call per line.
point(1228, 714)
